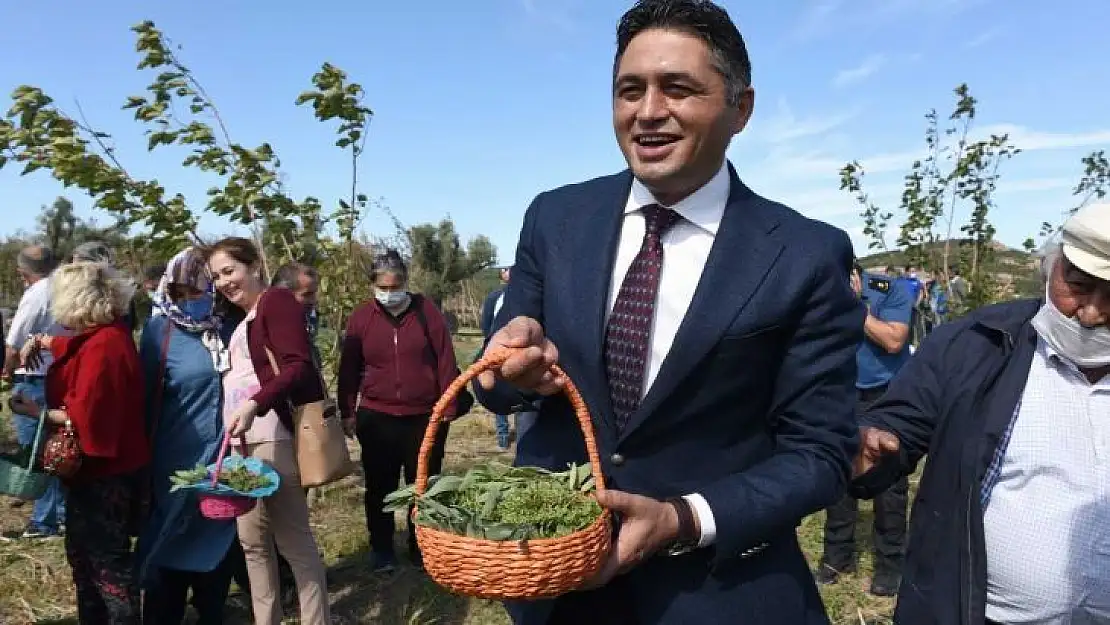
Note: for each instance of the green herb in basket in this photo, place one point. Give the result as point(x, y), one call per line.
point(499, 502)
point(239, 478)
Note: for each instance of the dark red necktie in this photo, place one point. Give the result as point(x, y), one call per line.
point(628, 333)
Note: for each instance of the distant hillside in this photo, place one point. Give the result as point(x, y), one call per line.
point(1016, 270)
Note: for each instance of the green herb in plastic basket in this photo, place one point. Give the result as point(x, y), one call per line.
point(239, 478)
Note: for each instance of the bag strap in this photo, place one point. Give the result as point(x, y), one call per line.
point(418, 310)
point(160, 388)
point(277, 371)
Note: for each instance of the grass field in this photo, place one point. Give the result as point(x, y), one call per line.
point(35, 585)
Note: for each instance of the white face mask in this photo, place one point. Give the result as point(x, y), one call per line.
point(392, 299)
point(1084, 347)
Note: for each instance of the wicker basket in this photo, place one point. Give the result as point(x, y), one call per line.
point(221, 507)
point(25, 482)
point(512, 569)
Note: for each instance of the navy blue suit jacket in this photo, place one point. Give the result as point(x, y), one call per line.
point(753, 407)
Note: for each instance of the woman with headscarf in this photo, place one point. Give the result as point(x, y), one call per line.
point(183, 357)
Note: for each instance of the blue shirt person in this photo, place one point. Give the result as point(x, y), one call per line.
point(882, 353)
point(886, 302)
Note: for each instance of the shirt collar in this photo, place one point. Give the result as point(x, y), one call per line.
point(703, 208)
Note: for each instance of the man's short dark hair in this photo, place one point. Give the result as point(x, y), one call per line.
point(37, 260)
point(154, 273)
point(289, 274)
point(700, 18)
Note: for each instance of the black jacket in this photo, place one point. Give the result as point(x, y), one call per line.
point(953, 400)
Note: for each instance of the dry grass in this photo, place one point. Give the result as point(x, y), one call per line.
point(35, 585)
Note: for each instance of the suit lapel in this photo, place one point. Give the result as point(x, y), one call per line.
point(739, 260)
point(593, 272)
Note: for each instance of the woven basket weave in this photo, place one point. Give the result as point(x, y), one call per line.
point(512, 569)
point(25, 482)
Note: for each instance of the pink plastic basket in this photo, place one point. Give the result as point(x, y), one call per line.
point(223, 507)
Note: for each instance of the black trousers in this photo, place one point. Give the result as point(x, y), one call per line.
point(889, 529)
point(165, 603)
point(390, 445)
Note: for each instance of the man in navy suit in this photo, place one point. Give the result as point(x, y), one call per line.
point(712, 333)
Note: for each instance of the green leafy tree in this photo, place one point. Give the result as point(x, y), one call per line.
point(1093, 186)
point(956, 177)
point(440, 263)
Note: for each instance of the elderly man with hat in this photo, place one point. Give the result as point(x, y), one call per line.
point(1012, 405)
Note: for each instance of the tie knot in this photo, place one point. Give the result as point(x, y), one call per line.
point(658, 220)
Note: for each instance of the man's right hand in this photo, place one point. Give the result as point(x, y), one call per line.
point(874, 444)
point(529, 368)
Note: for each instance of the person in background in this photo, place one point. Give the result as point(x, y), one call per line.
point(99, 252)
point(958, 285)
point(396, 361)
point(152, 277)
point(92, 385)
point(257, 407)
point(1009, 403)
point(183, 355)
point(304, 282)
point(915, 287)
point(882, 354)
point(490, 308)
point(32, 317)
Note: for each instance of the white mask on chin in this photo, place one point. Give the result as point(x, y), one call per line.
point(1085, 347)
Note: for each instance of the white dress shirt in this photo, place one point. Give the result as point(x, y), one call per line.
point(686, 248)
point(1047, 525)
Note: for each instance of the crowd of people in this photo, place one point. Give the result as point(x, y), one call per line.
point(742, 372)
point(204, 360)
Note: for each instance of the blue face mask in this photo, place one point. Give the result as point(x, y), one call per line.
point(197, 309)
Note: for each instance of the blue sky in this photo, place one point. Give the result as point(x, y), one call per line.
point(480, 106)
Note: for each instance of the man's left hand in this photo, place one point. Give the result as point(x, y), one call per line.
point(647, 526)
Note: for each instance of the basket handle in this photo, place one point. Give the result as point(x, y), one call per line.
point(223, 454)
point(35, 444)
point(492, 361)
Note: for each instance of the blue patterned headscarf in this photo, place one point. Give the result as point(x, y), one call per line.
point(189, 268)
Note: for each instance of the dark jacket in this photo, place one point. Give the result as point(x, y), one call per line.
point(753, 408)
point(389, 361)
point(488, 306)
point(953, 400)
point(279, 325)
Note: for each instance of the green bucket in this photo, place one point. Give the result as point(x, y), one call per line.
point(23, 481)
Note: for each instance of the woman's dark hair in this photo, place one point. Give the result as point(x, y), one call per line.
point(239, 248)
point(389, 262)
point(242, 250)
point(700, 18)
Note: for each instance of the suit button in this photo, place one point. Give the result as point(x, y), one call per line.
point(616, 459)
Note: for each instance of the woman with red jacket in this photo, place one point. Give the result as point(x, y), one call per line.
point(91, 386)
point(258, 403)
point(398, 357)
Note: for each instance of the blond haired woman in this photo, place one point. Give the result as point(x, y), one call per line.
point(92, 386)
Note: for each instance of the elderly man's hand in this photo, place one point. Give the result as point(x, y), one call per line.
point(31, 354)
point(529, 367)
point(874, 445)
